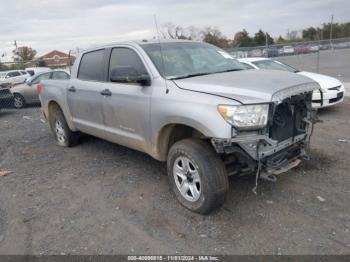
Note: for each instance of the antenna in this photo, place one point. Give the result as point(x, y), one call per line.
point(70, 62)
point(161, 52)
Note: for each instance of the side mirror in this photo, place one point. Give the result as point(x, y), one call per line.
point(28, 82)
point(144, 80)
point(129, 75)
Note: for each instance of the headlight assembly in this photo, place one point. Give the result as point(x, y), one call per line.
point(245, 116)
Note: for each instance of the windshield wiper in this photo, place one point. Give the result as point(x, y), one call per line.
point(190, 75)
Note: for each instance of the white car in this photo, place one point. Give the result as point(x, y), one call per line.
point(36, 70)
point(288, 50)
point(332, 90)
point(14, 77)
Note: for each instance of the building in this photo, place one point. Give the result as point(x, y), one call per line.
point(57, 59)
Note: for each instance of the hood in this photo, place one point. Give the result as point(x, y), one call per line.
point(250, 86)
point(324, 81)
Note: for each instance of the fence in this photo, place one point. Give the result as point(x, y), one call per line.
point(330, 57)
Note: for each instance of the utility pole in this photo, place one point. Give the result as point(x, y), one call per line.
point(331, 33)
point(266, 45)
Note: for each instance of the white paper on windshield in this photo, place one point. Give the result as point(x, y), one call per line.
point(226, 55)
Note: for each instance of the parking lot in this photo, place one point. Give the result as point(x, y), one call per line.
point(101, 198)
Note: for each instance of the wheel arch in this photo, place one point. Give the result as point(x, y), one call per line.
point(169, 134)
point(52, 106)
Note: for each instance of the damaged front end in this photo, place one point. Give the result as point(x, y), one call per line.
point(279, 146)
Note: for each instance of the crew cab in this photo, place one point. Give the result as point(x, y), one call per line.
point(190, 104)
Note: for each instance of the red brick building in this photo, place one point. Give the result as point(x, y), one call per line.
point(57, 59)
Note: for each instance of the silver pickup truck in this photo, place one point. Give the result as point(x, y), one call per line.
point(187, 103)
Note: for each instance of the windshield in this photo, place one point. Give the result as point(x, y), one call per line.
point(3, 74)
point(274, 65)
point(189, 59)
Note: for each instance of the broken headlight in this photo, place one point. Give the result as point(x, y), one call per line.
point(245, 116)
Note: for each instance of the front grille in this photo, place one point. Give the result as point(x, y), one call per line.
point(339, 97)
point(288, 118)
point(282, 123)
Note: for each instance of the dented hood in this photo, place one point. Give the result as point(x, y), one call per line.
point(250, 86)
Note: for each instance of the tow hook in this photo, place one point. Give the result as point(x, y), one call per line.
point(268, 177)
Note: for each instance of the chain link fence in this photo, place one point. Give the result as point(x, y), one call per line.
point(330, 57)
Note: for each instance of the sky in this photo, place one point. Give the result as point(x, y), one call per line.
point(46, 25)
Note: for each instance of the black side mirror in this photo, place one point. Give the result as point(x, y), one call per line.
point(129, 75)
point(144, 80)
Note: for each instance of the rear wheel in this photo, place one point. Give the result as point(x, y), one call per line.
point(63, 135)
point(19, 101)
point(197, 175)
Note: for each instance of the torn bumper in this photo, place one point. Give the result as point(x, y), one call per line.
point(276, 157)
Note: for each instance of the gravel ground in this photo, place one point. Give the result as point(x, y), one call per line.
point(101, 198)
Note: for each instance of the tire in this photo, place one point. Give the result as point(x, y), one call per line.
point(19, 101)
point(63, 135)
point(207, 180)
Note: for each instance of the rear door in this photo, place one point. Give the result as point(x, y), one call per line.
point(127, 106)
point(83, 94)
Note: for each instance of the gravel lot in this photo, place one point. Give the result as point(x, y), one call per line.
point(101, 198)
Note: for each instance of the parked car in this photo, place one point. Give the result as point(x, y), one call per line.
point(271, 51)
point(187, 103)
point(314, 48)
point(14, 77)
point(6, 97)
point(331, 92)
point(26, 93)
point(288, 50)
point(301, 49)
point(36, 70)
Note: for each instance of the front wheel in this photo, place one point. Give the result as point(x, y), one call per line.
point(19, 101)
point(197, 175)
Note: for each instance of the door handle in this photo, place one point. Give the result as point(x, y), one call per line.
point(106, 92)
point(72, 89)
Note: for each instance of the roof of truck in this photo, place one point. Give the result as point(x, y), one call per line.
point(140, 42)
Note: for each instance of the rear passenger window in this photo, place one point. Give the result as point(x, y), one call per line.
point(91, 66)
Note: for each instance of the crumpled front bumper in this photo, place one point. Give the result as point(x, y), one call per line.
point(276, 157)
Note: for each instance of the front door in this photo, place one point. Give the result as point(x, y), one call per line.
point(127, 106)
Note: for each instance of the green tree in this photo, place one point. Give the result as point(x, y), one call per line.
point(245, 39)
point(42, 63)
point(280, 40)
point(310, 34)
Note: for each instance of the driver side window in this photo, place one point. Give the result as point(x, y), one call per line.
point(126, 63)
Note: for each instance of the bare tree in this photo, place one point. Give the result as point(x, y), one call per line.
point(24, 53)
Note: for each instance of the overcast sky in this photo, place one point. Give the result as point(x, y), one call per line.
point(66, 24)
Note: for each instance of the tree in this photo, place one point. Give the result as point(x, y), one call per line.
point(280, 40)
point(42, 63)
point(179, 32)
point(245, 39)
point(24, 53)
point(310, 34)
point(213, 36)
